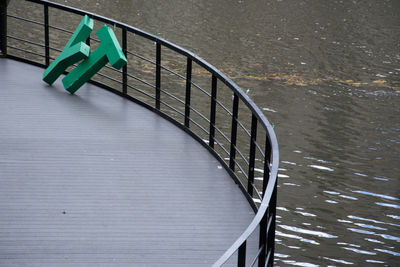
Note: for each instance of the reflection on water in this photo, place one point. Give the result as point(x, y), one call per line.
point(326, 73)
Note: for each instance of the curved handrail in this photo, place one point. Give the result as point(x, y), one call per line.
point(265, 216)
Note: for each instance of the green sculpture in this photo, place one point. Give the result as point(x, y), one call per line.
point(109, 50)
point(74, 51)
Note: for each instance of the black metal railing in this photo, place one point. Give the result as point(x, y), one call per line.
point(202, 101)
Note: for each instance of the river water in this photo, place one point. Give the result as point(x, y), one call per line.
point(327, 76)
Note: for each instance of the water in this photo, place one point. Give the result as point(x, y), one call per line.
point(326, 74)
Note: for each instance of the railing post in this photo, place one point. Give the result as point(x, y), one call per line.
point(267, 160)
point(46, 35)
point(271, 228)
point(262, 244)
point(3, 28)
point(188, 87)
point(267, 232)
point(88, 39)
point(234, 131)
point(158, 75)
point(213, 110)
point(242, 255)
point(252, 155)
point(125, 67)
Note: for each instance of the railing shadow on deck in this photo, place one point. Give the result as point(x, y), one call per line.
point(179, 86)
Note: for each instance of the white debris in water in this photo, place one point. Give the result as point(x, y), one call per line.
point(361, 231)
point(298, 263)
point(291, 184)
point(307, 214)
point(375, 195)
point(374, 241)
point(278, 233)
point(371, 220)
point(374, 261)
point(315, 159)
point(339, 261)
point(393, 216)
point(282, 208)
point(359, 251)
point(331, 192)
point(388, 205)
point(258, 170)
point(388, 251)
point(348, 197)
point(344, 221)
point(348, 244)
point(269, 109)
point(288, 162)
point(321, 167)
point(361, 174)
point(370, 226)
point(308, 232)
point(331, 201)
point(281, 255)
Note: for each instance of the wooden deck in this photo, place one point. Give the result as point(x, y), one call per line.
point(93, 179)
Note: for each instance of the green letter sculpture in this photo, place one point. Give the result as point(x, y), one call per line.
point(109, 50)
point(74, 51)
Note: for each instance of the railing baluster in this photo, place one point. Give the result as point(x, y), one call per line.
point(188, 87)
point(242, 255)
point(125, 67)
point(262, 243)
point(213, 110)
point(3, 28)
point(271, 230)
point(158, 75)
point(88, 39)
point(252, 155)
point(267, 160)
point(46, 34)
point(234, 131)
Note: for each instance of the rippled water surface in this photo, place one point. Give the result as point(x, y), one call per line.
point(326, 74)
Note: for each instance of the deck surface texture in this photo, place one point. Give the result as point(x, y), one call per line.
point(93, 179)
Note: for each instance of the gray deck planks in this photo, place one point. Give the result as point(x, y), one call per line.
point(93, 179)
